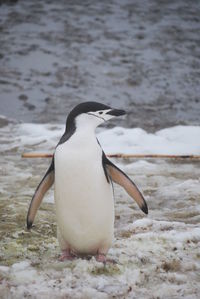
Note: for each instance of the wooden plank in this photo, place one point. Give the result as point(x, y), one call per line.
point(123, 156)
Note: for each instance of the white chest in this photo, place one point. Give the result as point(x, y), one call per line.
point(83, 197)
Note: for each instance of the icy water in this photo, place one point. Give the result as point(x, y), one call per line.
point(142, 56)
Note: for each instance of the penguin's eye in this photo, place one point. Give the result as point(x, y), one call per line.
point(100, 112)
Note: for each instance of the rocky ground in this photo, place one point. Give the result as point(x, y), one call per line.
point(139, 55)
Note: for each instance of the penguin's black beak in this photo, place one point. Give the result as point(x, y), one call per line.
point(116, 112)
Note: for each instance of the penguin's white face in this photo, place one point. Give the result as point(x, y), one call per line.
point(96, 118)
point(91, 119)
point(102, 114)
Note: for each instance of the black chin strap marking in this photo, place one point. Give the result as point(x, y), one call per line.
point(89, 113)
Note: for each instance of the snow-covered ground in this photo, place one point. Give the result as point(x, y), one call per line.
point(158, 256)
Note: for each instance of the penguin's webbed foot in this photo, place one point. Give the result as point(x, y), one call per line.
point(66, 255)
point(100, 257)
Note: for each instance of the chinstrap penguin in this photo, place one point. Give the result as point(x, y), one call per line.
point(83, 176)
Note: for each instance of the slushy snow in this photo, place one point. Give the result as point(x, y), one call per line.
point(156, 254)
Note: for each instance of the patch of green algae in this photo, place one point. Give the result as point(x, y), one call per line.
point(108, 270)
point(16, 242)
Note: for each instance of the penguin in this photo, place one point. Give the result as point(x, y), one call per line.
point(83, 186)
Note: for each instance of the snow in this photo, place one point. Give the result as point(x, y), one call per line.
point(178, 140)
point(23, 272)
point(156, 254)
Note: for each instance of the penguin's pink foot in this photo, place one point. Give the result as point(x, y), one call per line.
point(102, 259)
point(66, 255)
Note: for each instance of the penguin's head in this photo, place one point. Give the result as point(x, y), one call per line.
point(92, 114)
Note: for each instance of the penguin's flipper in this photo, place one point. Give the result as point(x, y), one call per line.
point(42, 188)
point(119, 177)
